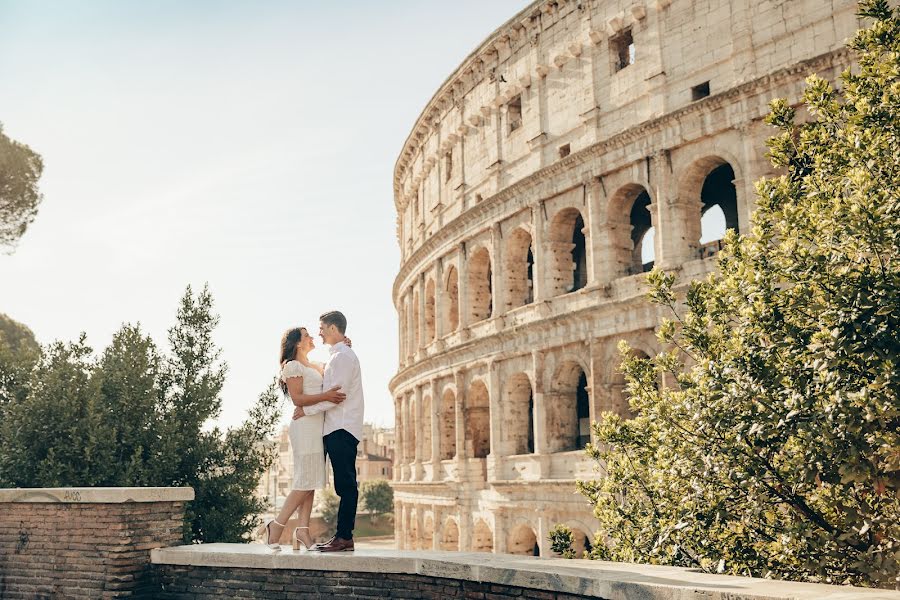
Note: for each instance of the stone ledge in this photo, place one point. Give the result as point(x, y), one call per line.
point(97, 495)
point(612, 581)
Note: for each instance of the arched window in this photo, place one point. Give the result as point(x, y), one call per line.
point(719, 208)
point(518, 408)
point(482, 537)
point(582, 542)
point(428, 533)
point(568, 249)
point(451, 306)
point(448, 425)
point(478, 423)
point(523, 541)
point(413, 541)
point(409, 433)
point(631, 232)
point(480, 286)
point(619, 400)
point(579, 255)
point(415, 323)
point(430, 328)
point(519, 268)
point(425, 429)
point(450, 536)
point(583, 412)
point(640, 225)
point(568, 409)
point(530, 261)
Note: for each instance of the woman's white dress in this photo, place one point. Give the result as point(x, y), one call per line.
point(306, 433)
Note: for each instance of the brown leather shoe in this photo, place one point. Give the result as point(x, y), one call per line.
point(336, 544)
point(320, 544)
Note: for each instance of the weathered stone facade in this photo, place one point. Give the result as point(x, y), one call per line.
point(582, 141)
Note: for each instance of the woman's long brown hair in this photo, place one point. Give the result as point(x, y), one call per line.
point(289, 342)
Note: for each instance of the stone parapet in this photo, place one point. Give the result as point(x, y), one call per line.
point(85, 542)
point(251, 571)
point(96, 495)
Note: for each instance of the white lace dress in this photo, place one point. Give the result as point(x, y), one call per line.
point(306, 433)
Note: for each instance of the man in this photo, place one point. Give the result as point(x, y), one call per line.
point(343, 426)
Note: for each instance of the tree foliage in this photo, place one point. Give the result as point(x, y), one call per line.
point(772, 447)
point(328, 505)
point(20, 169)
point(19, 351)
point(377, 496)
point(561, 540)
point(136, 417)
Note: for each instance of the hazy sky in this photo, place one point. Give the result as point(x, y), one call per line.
point(249, 145)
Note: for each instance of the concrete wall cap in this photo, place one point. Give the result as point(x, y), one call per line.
point(611, 581)
point(97, 495)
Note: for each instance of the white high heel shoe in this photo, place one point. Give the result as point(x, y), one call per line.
point(263, 532)
point(297, 541)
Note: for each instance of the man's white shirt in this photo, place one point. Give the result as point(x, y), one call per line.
point(342, 369)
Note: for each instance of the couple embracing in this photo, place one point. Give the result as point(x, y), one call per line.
point(327, 420)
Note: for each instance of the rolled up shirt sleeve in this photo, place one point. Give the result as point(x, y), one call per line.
point(337, 372)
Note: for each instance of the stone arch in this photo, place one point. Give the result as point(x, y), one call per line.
point(480, 301)
point(523, 540)
point(617, 399)
point(482, 537)
point(451, 305)
point(568, 414)
point(415, 340)
point(630, 222)
point(408, 326)
point(425, 428)
point(447, 424)
point(518, 267)
point(430, 323)
point(428, 532)
point(568, 251)
point(478, 420)
point(581, 537)
point(409, 434)
point(708, 185)
point(401, 316)
point(450, 535)
point(518, 411)
point(412, 531)
point(581, 542)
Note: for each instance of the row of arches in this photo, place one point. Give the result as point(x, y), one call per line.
point(522, 538)
point(555, 418)
point(628, 246)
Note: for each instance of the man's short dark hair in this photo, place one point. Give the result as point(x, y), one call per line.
point(336, 318)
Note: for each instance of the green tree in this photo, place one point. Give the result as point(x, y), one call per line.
point(20, 169)
point(561, 540)
point(127, 375)
point(19, 351)
point(329, 503)
point(51, 437)
point(772, 447)
point(134, 417)
point(377, 496)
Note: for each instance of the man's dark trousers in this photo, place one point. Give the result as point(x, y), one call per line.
point(340, 446)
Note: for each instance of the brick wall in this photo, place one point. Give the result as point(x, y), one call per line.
point(198, 583)
point(55, 549)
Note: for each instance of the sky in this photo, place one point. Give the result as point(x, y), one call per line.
point(246, 145)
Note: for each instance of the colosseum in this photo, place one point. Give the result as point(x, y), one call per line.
point(581, 143)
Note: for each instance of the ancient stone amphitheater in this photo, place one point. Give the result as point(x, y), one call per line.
point(578, 145)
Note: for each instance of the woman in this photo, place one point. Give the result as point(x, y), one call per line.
point(301, 381)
